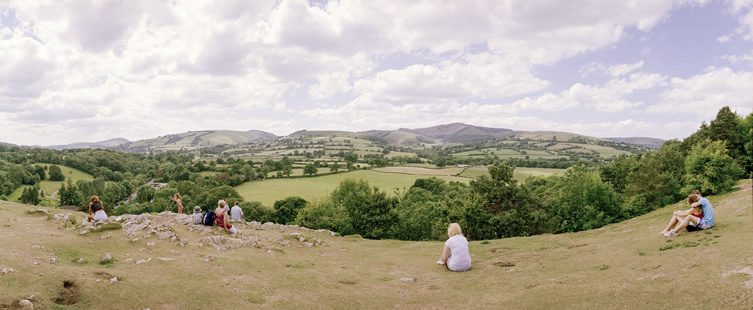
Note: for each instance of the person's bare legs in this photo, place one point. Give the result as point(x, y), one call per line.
point(685, 223)
point(672, 222)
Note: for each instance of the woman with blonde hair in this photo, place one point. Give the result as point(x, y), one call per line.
point(221, 217)
point(455, 254)
point(178, 199)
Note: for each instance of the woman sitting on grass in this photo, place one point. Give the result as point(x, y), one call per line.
point(455, 254)
point(695, 213)
point(221, 218)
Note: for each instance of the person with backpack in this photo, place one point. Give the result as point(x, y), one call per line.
point(221, 218)
point(209, 218)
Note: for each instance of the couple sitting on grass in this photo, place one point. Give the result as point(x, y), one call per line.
point(700, 216)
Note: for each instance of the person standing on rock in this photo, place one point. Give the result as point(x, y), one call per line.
point(455, 254)
point(179, 200)
point(236, 213)
point(221, 218)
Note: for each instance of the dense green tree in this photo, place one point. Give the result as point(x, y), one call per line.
point(56, 174)
point(616, 172)
point(710, 169)
point(421, 215)
point(579, 200)
point(145, 193)
point(310, 169)
point(505, 208)
point(69, 195)
point(255, 211)
point(325, 214)
point(39, 171)
point(30, 195)
point(287, 209)
point(657, 178)
point(368, 208)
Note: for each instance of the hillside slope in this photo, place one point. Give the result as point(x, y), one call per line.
point(618, 266)
point(197, 139)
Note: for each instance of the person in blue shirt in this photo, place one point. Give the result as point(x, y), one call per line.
point(692, 223)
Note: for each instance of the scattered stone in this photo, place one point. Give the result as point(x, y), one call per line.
point(408, 280)
point(208, 258)
point(143, 261)
point(106, 259)
point(105, 237)
point(38, 212)
point(25, 304)
point(53, 259)
point(308, 244)
point(36, 262)
point(7, 270)
point(80, 260)
point(151, 244)
point(113, 280)
point(36, 246)
point(166, 259)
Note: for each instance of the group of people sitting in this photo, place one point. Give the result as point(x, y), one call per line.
point(219, 217)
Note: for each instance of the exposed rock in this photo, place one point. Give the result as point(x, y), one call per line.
point(25, 304)
point(7, 270)
point(308, 244)
point(408, 280)
point(143, 261)
point(53, 259)
point(208, 258)
point(151, 244)
point(80, 260)
point(221, 243)
point(106, 259)
point(166, 259)
point(113, 280)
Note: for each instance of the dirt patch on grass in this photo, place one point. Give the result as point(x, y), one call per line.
point(504, 264)
point(69, 294)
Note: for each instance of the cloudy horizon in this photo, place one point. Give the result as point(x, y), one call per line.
point(73, 71)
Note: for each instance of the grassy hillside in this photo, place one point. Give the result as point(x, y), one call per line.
point(626, 265)
point(520, 173)
point(51, 187)
point(268, 191)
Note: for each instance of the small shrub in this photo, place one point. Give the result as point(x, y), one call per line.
point(690, 244)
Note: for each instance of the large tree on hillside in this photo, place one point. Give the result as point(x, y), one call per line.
point(728, 127)
point(657, 180)
point(368, 208)
point(56, 174)
point(709, 169)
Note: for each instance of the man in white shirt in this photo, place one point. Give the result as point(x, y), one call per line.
point(236, 213)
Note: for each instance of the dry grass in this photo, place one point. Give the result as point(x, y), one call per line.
point(617, 266)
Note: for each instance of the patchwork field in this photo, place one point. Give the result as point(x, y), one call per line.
point(268, 191)
point(626, 265)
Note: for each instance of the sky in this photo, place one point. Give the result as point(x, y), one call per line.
point(75, 71)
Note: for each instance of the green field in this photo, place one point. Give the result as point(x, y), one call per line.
point(421, 170)
point(268, 191)
point(504, 153)
point(50, 187)
point(520, 173)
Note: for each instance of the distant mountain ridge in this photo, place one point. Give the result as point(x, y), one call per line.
point(111, 143)
point(453, 133)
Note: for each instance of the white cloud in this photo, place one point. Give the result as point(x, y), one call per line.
point(609, 97)
point(705, 93)
point(622, 69)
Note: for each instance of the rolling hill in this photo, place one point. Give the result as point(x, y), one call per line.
point(644, 141)
point(161, 262)
point(111, 143)
point(197, 139)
